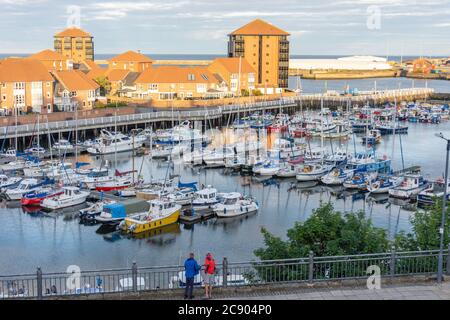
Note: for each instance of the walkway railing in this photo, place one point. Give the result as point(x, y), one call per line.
point(311, 269)
point(203, 113)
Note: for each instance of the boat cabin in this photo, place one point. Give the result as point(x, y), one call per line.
point(71, 191)
point(158, 206)
point(412, 181)
point(231, 198)
point(206, 194)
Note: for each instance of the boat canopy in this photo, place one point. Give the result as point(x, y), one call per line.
point(78, 165)
point(191, 185)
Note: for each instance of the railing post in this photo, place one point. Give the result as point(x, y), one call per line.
point(225, 272)
point(134, 273)
point(392, 262)
point(448, 260)
point(39, 283)
point(311, 267)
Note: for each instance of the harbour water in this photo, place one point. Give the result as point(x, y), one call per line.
point(55, 241)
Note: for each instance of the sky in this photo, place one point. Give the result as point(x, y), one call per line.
point(317, 27)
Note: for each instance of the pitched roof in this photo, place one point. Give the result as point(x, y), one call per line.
point(117, 74)
point(91, 65)
point(48, 55)
point(73, 32)
point(74, 80)
point(232, 65)
point(23, 70)
point(130, 79)
point(131, 56)
point(176, 74)
point(259, 27)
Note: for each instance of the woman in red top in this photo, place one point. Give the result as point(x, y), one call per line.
point(210, 270)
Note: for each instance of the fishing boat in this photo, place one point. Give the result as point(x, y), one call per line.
point(435, 191)
point(95, 209)
point(386, 129)
point(339, 157)
point(113, 213)
point(312, 172)
point(162, 212)
point(340, 131)
point(233, 205)
point(373, 137)
point(205, 199)
point(410, 187)
point(71, 196)
point(36, 197)
point(360, 181)
point(383, 184)
point(8, 182)
point(25, 186)
point(337, 176)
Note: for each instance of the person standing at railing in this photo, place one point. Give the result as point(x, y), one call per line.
point(191, 269)
point(210, 270)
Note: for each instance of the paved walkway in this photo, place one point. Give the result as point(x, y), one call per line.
point(413, 292)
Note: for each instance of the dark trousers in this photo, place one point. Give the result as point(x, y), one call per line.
point(189, 288)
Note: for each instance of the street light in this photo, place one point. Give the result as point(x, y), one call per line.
point(444, 202)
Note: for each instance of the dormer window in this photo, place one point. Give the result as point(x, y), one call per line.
point(191, 77)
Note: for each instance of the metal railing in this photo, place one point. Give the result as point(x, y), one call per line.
point(310, 269)
point(205, 112)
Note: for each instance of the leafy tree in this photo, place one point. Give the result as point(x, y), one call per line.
point(425, 230)
point(105, 85)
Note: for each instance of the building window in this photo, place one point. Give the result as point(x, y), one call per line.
point(48, 84)
point(153, 87)
point(19, 100)
point(234, 76)
point(191, 77)
point(19, 85)
point(4, 85)
point(48, 95)
point(4, 97)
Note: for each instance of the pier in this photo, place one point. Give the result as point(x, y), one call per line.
point(216, 116)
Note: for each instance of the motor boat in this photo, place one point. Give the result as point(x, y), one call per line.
point(372, 137)
point(410, 187)
point(63, 147)
point(25, 186)
point(315, 155)
point(71, 196)
point(205, 199)
point(234, 204)
point(113, 213)
point(360, 181)
point(270, 169)
point(338, 157)
point(115, 142)
point(286, 149)
point(337, 176)
point(8, 182)
point(95, 209)
point(162, 212)
point(312, 172)
point(435, 191)
point(383, 184)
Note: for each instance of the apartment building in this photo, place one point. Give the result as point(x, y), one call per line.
point(75, 89)
point(238, 74)
point(52, 60)
point(266, 48)
point(75, 44)
point(175, 82)
point(131, 61)
point(25, 86)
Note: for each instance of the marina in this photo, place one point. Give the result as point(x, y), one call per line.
point(280, 201)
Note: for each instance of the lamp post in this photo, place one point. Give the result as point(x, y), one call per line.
point(444, 207)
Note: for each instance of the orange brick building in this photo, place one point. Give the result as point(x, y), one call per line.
point(230, 69)
point(75, 44)
point(131, 61)
point(266, 48)
point(53, 60)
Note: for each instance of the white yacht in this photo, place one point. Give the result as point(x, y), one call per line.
point(233, 205)
point(25, 186)
point(72, 196)
point(205, 199)
point(8, 182)
point(336, 176)
point(410, 187)
point(115, 142)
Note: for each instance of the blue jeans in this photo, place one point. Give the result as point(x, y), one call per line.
point(189, 288)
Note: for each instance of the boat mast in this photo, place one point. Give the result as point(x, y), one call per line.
point(15, 114)
point(114, 137)
point(393, 129)
point(76, 133)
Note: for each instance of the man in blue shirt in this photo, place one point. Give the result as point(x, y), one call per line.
point(192, 269)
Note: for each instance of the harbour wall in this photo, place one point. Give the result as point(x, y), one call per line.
point(343, 74)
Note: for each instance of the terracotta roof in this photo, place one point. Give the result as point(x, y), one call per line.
point(232, 65)
point(74, 33)
point(91, 65)
point(259, 27)
point(117, 74)
point(131, 56)
point(176, 74)
point(48, 55)
point(75, 80)
point(23, 70)
point(96, 73)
